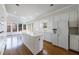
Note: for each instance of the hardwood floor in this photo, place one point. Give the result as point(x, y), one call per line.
point(50, 49)
point(16, 47)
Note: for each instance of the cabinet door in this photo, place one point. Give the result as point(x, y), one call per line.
point(2, 47)
point(47, 36)
point(63, 31)
point(73, 17)
point(54, 26)
point(74, 43)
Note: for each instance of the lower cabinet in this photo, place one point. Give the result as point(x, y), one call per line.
point(48, 36)
point(74, 42)
point(2, 47)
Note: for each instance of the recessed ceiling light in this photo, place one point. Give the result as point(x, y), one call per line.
point(23, 17)
point(14, 12)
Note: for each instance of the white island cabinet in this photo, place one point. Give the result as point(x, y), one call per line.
point(3, 17)
point(2, 44)
point(33, 42)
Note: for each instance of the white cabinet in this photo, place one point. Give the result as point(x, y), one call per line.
point(2, 28)
point(63, 31)
point(60, 38)
point(2, 45)
point(74, 42)
point(33, 42)
point(73, 17)
point(2, 36)
point(54, 39)
point(47, 36)
point(73, 22)
point(54, 26)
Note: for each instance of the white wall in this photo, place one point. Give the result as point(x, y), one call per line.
point(48, 32)
point(59, 20)
point(38, 27)
point(53, 21)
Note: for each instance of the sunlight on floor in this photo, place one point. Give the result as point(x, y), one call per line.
point(13, 42)
point(45, 52)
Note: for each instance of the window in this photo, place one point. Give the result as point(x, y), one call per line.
point(8, 28)
point(24, 26)
point(30, 27)
point(14, 27)
point(20, 27)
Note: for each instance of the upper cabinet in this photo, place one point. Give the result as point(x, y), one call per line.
point(73, 16)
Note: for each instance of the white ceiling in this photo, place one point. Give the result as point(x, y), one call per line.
point(30, 11)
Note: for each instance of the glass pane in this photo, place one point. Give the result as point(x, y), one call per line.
point(14, 28)
point(20, 27)
point(8, 28)
point(24, 26)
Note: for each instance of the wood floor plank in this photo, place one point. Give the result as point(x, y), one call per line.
point(48, 49)
point(17, 48)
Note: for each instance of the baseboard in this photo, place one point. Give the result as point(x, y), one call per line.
point(60, 47)
point(47, 42)
point(40, 53)
point(33, 53)
point(55, 45)
point(74, 51)
point(28, 48)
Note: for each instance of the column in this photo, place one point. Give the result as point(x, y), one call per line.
point(22, 27)
point(17, 28)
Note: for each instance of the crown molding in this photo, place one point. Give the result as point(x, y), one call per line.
point(48, 14)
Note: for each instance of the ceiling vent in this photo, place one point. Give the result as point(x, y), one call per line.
point(17, 4)
point(51, 4)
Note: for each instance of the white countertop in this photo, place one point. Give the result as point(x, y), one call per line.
point(28, 33)
point(33, 34)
